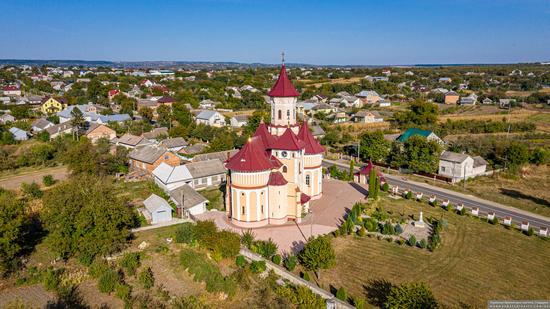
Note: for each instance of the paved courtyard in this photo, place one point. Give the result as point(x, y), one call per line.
point(327, 212)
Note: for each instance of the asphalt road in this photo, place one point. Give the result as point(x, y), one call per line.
point(518, 216)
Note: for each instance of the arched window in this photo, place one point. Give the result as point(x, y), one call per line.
point(280, 114)
point(307, 180)
point(284, 169)
point(243, 210)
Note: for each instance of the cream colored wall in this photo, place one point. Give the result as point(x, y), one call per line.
point(287, 108)
point(278, 209)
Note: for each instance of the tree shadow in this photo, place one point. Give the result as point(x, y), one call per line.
point(68, 298)
point(359, 188)
point(377, 291)
point(520, 195)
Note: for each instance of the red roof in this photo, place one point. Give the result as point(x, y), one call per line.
point(10, 88)
point(283, 87)
point(264, 135)
point(276, 179)
point(288, 141)
point(113, 92)
point(250, 158)
point(166, 99)
point(365, 170)
point(304, 198)
point(312, 145)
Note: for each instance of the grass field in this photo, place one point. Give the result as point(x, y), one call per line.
point(215, 198)
point(351, 80)
point(476, 261)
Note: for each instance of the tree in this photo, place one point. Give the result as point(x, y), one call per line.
point(417, 154)
point(341, 294)
point(516, 154)
point(146, 113)
point(539, 156)
point(374, 147)
point(182, 114)
point(372, 183)
point(164, 113)
point(317, 254)
point(85, 219)
point(422, 114)
point(351, 169)
point(411, 295)
point(78, 120)
point(12, 222)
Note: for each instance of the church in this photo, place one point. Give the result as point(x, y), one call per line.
point(278, 171)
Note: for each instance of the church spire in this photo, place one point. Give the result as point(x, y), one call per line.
point(283, 87)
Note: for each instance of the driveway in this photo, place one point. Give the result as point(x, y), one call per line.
point(327, 212)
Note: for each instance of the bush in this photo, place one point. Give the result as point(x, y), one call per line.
point(400, 241)
point(423, 244)
point(276, 259)
point(398, 229)
point(305, 276)
point(435, 203)
point(462, 212)
point(265, 248)
point(48, 180)
point(146, 278)
point(185, 233)
point(371, 225)
point(123, 291)
point(494, 221)
point(410, 295)
point(97, 268)
point(385, 187)
point(362, 231)
point(130, 262)
point(409, 195)
point(341, 294)
point(51, 278)
point(257, 267)
point(206, 271)
point(529, 232)
point(32, 190)
point(247, 238)
point(290, 262)
point(412, 241)
point(108, 281)
point(358, 302)
point(240, 261)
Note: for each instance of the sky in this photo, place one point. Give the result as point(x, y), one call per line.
point(368, 32)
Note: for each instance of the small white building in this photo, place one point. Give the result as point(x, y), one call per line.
point(188, 201)
point(157, 210)
point(18, 134)
point(459, 166)
point(169, 177)
point(211, 118)
point(238, 121)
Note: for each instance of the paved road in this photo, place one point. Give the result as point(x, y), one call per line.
point(469, 201)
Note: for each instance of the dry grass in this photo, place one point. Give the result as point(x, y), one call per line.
point(350, 80)
point(513, 116)
point(475, 263)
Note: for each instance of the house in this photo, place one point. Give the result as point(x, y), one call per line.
point(188, 201)
point(219, 155)
point(130, 141)
point(364, 116)
point(147, 158)
point(6, 118)
point(18, 134)
point(451, 97)
point(166, 100)
point(59, 129)
point(146, 83)
point(156, 210)
point(11, 90)
point(506, 103)
point(169, 177)
point(324, 108)
point(238, 121)
point(317, 131)
point(460, 166)
point(487, 101)
point(41, 124)
point(52, 105)
point(352, 101)
point(384, 103)
point(340, 117)
point(190, 151)
point(362, 176)
point(89, 112)
point(445, 80)
point(208, 104)
point(174, 144)
point(209, 173)
point(156, 133)
point(105, 119)
point(34, 99)
point(429, 135)
point(469, 100)
point(369, 96)
point(112, 94)
point(211, 118)
point(98, 131)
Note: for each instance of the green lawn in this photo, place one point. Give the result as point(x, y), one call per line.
point(476, 261)
point(215, 198)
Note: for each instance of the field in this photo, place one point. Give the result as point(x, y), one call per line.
point(475, 263)
point(351, 80)
point(13, 179)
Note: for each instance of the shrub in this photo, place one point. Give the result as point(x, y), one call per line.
point(362, 231)
point(371, 225)
point(400, 241)
point(409, 195)
point(240, 261)
point(529, 232)
point(423, 244)
point(290, 262)
point(97, 268)
point(265, 248)
point(358, 302)
point(51, 278)
point(462, 212)
point(341, 294)
point(206, 271)
point(108, 281)
point(185, 233)
point(385, 187)
point(257, 267)
point(435, 203)
point(412, 241)
point(48, 180)
point(494, 221)
point(130, 262)
point(305, 276)
point(32, 190)
point(146, 278)
point(410, 295)
point(123, 291)
point(398, 229)
point(276, 259)
point(336, 233)
point(247, 238)
point(388, 229)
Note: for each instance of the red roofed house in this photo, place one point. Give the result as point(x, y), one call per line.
point(278, 171)
point(11, 90)
point(112, 93)
point(362, 176)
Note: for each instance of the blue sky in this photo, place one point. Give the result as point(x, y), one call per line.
point(318, 32)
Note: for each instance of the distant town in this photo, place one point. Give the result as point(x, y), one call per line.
point(229, 185)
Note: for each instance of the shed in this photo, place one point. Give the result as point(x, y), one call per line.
point(157, 209)
point(189, 200)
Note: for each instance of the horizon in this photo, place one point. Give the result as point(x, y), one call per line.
point(244, 31)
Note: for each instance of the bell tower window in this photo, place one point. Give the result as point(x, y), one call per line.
point(280, 114)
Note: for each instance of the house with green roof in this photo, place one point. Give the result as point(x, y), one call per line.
point(429, 135)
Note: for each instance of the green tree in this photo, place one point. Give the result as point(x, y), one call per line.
point(12, 222)
point(146, 113)
point(517, 154)
point(164, 113)
point(85, 219)
point(182, 114)
point(351, 169)
point(318, 254)
point(411, 295)
point(374, 147)
point(78, 121)
point(417, 154)
point(422, 114)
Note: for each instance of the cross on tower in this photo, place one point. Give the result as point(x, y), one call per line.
point(283, 56)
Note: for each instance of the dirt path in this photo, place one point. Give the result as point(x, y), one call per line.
point(33, 296)
point(15, 181)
